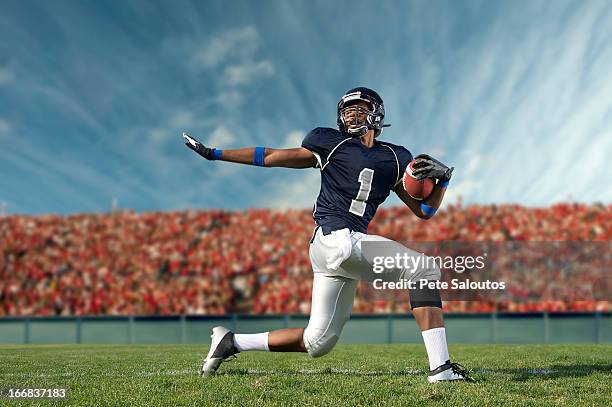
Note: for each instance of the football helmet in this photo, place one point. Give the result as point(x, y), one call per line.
point(375, 116)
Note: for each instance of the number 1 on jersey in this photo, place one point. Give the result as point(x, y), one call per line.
point(358, 205)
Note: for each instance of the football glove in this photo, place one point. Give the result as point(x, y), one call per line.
point(426, 166)
point(198, 147)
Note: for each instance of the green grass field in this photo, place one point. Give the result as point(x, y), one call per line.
point(149, 375)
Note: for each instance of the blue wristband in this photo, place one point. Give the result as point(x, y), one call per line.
point(428, 210)
point(442, 184)
point(217, 153)
point(258, 156)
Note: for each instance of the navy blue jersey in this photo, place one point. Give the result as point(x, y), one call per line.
point(355, 179)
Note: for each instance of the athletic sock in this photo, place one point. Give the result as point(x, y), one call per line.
point(251, 342)
point(437, 350)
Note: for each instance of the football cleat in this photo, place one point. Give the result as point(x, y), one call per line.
point(221, 348)
point(449, 372)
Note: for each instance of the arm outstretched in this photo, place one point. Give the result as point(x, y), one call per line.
point(260, 156)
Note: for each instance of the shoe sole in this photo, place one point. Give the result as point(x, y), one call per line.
point(210, 367)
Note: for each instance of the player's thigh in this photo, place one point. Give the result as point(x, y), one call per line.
point(360, 262)
point(327, 252)
point(370, 247)
point(332, 302)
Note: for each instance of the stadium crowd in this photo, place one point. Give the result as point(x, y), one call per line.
point(256, 261)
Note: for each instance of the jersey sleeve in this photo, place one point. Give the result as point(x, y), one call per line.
point(403, 157)
point(321, 142)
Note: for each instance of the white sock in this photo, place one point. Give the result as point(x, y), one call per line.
point(251, 342)
point(435, 343)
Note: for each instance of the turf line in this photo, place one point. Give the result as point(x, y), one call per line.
point(260, 372)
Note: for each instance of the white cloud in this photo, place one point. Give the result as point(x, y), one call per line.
point(243, 42)
point(231, 59)
point(230, 98)
point(67, 102)
point(158, 135)
point(174, 126)
point(293, 139)
point(435, 152)
point(473, 163)
point(296, 191)
point(5, 127)
point(248, 72)
point(182, 119)
point(461, 189)
point(516, 114)
point(220, 137)
point(6, 76)
point(467, 177)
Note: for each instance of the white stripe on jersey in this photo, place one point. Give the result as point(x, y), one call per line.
point(334, 149)
point(318, 157)
point(397, 161)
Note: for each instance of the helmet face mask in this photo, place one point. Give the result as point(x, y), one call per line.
point(374, 119)
point(355, 119)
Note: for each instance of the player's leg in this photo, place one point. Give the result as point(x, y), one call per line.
point(280, 340)
point(332, 301)
point(431, 322)
point(226, 344)
point(287, 340)
point(426, 307)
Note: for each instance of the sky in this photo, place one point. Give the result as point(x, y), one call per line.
point(94, 95)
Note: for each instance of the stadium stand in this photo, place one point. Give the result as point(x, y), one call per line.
point(255, 261)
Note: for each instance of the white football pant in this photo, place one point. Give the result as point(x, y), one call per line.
point(338, 264)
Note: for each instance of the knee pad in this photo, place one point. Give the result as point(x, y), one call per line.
point(425, 297)
point(318, 342)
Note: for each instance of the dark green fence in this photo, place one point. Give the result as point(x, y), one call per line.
point(387, 328)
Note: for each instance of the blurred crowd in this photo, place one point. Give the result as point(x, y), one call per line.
point(255, 261)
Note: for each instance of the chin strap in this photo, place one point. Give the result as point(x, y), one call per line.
point(363, 130)
point(359, 132)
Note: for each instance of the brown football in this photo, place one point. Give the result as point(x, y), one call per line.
point(417, 189)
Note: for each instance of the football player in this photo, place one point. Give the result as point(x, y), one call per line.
point(358, 172)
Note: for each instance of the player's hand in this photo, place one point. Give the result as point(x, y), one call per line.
point(426, 166)
point(198, 147)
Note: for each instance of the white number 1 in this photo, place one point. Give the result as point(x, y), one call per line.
point(358, 205)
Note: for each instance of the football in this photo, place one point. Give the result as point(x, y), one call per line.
point(417, 189)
